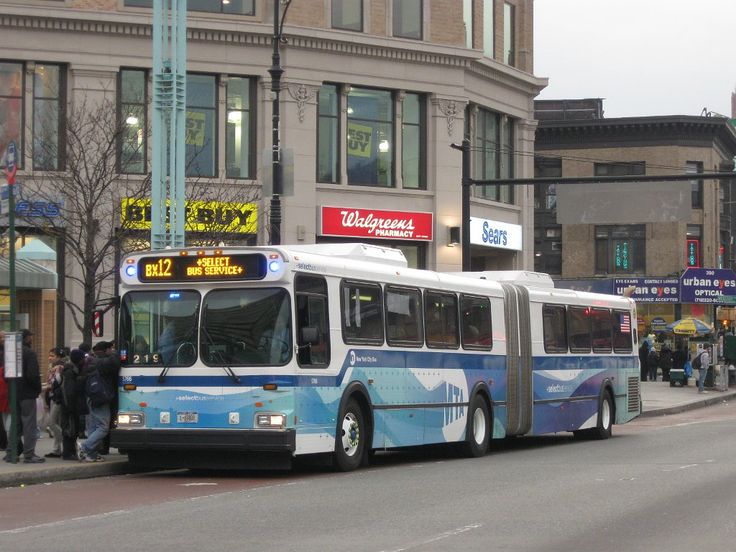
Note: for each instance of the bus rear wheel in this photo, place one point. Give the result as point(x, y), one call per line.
point(604, 425)
point(350, 437)
point(478, 432)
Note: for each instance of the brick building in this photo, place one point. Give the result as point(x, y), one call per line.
point(373, 94)
point(645, 230)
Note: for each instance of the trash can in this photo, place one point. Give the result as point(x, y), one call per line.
point(721, 377)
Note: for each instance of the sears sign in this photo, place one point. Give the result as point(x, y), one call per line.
point(491, 233)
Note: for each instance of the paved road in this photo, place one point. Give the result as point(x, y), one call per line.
point(661, 483)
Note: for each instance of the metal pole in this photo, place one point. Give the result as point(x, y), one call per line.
point(12, 388)
point(276, 71)
point(467, 183)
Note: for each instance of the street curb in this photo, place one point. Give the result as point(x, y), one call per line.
point(66, 473)
point(710, 401)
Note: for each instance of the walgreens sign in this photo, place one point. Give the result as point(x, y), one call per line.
point(375, 224)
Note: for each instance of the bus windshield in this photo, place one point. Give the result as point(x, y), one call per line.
point(159, 327)
point(239, 327)
point(246, 327)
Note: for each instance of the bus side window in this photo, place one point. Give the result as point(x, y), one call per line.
point(441, 314)
point(555, 329)
point(312, 332)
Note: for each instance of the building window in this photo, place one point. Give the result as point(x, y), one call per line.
point(347, 14)
point(693, 246)
point(201, 130)
point(468, 22)
point(48, 104)
point(132, 114)
point(412, 142)
point(486, 155)
point(11, 107)
point(494, 155)
point(370, 137)
point(620, 249)
point(239, 7)
point(407, 18)
point(239, 137)
point(328, 134)
point(489, 42)
point(509, 34)
point(695, 167)
point(619, 169)
point(545, 195)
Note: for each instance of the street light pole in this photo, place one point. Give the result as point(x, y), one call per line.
point(467, 182)
point(276, 71)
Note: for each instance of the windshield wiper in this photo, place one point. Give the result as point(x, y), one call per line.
point(219, 354)
point(162, 375)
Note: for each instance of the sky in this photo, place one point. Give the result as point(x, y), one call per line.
point(643, 57)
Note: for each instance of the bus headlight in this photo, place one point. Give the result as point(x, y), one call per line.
point(131, 419)
point(270, 420)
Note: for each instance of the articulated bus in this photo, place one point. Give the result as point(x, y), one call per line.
point(248, 357)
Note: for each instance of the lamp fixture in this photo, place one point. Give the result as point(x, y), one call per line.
point(453, 236)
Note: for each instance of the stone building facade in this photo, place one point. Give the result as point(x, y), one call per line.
point(374, 92)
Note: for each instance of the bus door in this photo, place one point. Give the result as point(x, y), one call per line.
point(518, 360)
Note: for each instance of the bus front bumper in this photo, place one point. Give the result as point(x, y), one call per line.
point(236, 440)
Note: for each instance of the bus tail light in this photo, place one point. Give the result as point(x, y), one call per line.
point(270, 420)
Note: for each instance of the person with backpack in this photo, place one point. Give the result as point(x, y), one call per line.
point(702, 363)
point(652, 363)
point(72, 403)
point(56, 364)
point(100, 384)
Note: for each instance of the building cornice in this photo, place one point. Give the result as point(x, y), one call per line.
point(674, 130)
point(244, 31)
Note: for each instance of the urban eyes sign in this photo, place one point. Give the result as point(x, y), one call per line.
point(708, 285)
point(649, 290)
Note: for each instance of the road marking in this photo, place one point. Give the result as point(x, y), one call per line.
point(686, 466)
point(441, 536)
point(198, 484)
point(62, 522)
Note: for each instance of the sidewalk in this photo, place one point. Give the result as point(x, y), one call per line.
point(658, 399)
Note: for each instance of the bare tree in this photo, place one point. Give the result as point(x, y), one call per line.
point(90, 191)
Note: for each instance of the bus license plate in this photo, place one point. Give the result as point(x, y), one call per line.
point(187, 417)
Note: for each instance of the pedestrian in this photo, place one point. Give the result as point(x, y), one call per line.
point(652, 364)
point(56, 365)
point(704, 365)
point(643, 353)
point(679, 358)
point(107, 364)
point(665, 361)
point(72, 402)
point(29, 389)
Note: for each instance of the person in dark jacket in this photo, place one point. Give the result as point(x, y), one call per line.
point(665, 361)
point(29, 388)
point(652, 363)
point(72, 402)
point(679, 357)
point(98, 419)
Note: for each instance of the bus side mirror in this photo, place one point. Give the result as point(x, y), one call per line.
point(310, 335)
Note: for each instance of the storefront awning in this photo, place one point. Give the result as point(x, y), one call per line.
point(28, 275)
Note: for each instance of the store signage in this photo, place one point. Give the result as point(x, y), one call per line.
point(202, 268)
point(376, 224)
point(707, 285)
point(492, 233)
point(649, 290)
point(658, 324)
point(200, 216)
point(692, 250)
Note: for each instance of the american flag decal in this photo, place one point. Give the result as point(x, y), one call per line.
point(625, 323)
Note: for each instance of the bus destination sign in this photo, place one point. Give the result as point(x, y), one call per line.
point(202, 268)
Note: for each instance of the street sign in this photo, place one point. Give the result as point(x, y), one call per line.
point(13, 354)
point(10, 163)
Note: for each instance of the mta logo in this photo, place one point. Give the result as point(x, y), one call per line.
point(453, 395)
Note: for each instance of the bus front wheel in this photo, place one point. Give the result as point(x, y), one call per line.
point(478, 432)
point(350, 438)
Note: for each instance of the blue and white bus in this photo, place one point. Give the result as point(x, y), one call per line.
point(251, 356)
